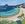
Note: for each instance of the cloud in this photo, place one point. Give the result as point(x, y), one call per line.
point(11, 2)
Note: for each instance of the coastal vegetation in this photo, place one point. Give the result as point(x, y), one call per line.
point(10, 22)
point(23, 22)
point(7, 22)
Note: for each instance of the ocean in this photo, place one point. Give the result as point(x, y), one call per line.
point(11, 12)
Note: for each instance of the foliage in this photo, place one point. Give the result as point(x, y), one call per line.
point(7, 22)
point(23, 22)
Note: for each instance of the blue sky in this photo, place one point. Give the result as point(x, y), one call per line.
point(11, 2)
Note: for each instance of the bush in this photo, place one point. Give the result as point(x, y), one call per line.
point(7, 22)
point(23, 22)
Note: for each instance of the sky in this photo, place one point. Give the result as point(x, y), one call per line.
point(11, 2)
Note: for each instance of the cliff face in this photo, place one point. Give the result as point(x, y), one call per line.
point(22, 5)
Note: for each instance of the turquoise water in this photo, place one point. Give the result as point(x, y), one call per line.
point(11, 12)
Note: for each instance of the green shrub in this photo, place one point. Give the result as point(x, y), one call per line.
point(7, 22)
point(23, 22)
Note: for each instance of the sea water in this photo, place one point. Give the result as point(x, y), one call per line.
point(11, 12)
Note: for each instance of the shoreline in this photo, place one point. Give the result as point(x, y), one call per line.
point(13, 17)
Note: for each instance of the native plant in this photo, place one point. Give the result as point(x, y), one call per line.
point(7, 22)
